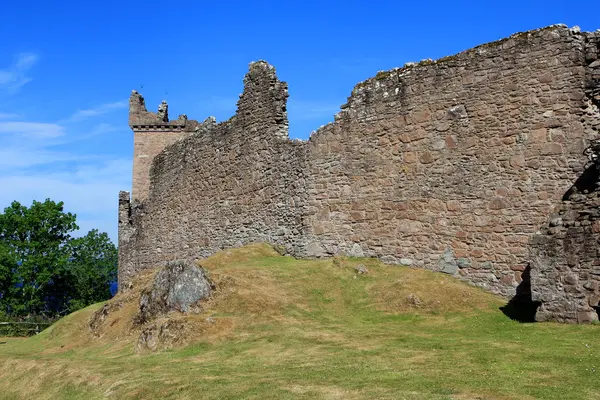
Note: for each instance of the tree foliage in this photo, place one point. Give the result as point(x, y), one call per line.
point(44, 271)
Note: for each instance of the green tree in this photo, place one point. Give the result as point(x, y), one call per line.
point(36, 238)
point(46, 272)
point(8, 282)
point(93, 268)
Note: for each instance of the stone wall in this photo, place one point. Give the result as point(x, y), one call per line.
point(453, 164)
point(449, 165)
point(565, 272)
point(565, 255)
point(229, 184)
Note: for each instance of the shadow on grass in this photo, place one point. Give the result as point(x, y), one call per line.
point(521, 307)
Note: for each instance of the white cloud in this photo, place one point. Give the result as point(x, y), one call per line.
point(99, 110)
point(23, 157)
point(13, 77)
point(8, 115)
point(26, 61)
point(89, 190)
point(40, 160)
point(31, 130)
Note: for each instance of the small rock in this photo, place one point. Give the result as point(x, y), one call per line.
point(556, 221)
point(388, 259)
point(458, 112)
point(414, 299)
point(407, 261)
point(361, 269)
point(356, 251)
point(447, 263)
point(315, 250)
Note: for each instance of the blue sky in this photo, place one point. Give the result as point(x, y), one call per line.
point(67, 68)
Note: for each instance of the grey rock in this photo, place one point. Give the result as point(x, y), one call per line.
point(486, 265)
point(556, 221)
point(388, 260)
point(414, 299)
point(407, 261)
point(458, 112)
point(447, 263)
point(356, 251)
point(178, 286)
point(361, 269)
point(315, 249)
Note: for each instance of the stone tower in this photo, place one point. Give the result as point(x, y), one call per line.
point(152, 132)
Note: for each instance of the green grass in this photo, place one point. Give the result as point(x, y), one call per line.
point(314, 329)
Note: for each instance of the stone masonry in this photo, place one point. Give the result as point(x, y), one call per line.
point(450, 165)
point(565, 255)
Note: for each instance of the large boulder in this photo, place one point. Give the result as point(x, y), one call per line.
point(178, 286)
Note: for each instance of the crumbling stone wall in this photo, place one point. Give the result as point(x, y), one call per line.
point(453, 164)
point(565, 255)
point(450, 165)
point(226, 185)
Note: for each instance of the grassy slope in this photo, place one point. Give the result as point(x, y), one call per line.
point(314, 329)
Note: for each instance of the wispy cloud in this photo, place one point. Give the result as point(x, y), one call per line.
point(19, 157)
point(13, 77)
point(88, 189)
point(49, 147)
point(8, 115)
point(99, 110)
point(31, 130)
point(41, 160)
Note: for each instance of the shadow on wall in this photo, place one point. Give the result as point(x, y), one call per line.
point(586, 183)
point(521, 307)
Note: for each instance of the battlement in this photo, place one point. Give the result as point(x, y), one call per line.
point(141, 119)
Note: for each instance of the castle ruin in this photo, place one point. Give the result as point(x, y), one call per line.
point(466, 165)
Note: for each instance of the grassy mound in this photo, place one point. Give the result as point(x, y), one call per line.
point(285, 328)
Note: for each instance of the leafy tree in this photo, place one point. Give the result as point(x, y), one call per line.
point(8, 282)
point(93, 268)
point(36, 238)
point(43, 270)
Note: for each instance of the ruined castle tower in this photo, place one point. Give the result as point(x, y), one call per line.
point(152, 132)
point(451, 165)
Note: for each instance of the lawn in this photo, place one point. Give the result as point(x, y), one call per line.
point(283, 328)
